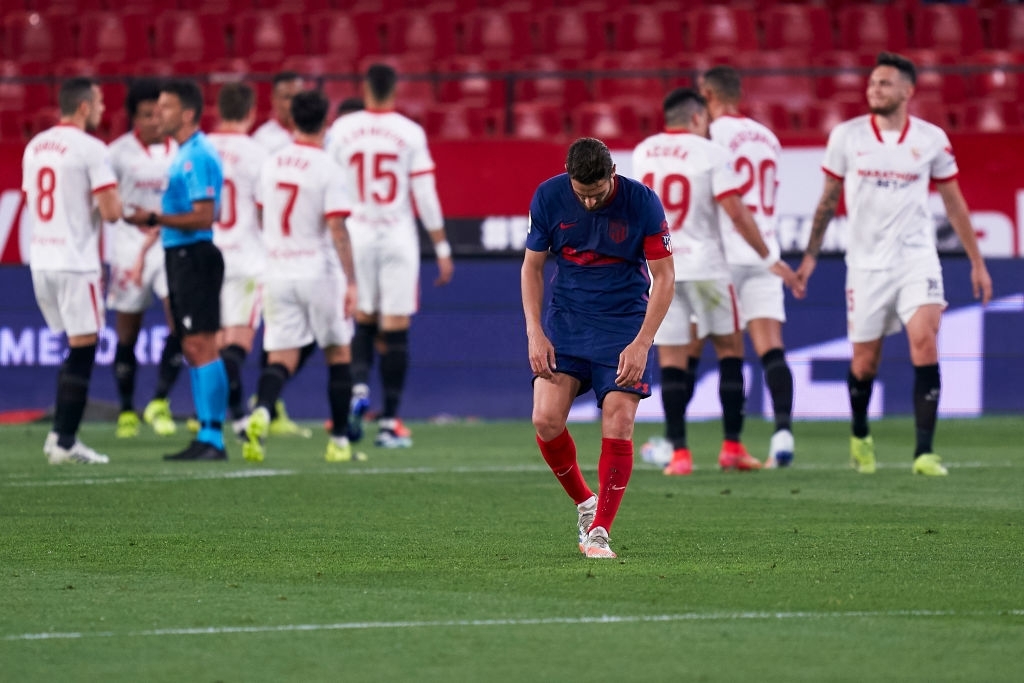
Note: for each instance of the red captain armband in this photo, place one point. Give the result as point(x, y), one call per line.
point(658, 246)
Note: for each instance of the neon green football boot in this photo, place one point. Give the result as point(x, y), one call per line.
point(862, 454)
point(127, 425)
point(929, 465)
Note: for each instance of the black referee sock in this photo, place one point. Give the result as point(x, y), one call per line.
point(72, 393)
point(779, 379)
point(393, 366)
point(860, 397)
point(233, 356)
point(125, 365)
point(730, 393)
point(339, 395)
point(676, 392)
point(927, 386)
point(170, 366)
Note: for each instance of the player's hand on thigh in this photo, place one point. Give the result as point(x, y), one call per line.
point(542, 356)
point(632, 363)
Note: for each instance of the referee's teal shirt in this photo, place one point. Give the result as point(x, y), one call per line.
point(195, 175)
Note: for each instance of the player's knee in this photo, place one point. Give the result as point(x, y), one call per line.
point(547, 424)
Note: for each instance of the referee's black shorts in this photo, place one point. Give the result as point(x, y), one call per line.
point(195, 273)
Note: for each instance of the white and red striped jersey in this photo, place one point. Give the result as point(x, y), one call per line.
point(61, 170)
point(380, 152)
point(141, 172)
point(689, 173)
point(300, 187)
point(237, 232)
point(885, 182)
point(272, 136)
point(755, 151)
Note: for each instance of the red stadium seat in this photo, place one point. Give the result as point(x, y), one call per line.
point(934, 111)
point(648, 30)
point(872, 28)
point(574, 33)
point(953, 29)
point(474, 81)
point(605, 121)
point(350, 35)
point(458, 122)
point(1002, 76)
point(824, 115)
point(1006, 27)
point(776, 78)
point(775, 116)
point(802, 28)
point(12, 90)
point(938, 76)
point(265, 38)
point(847, 74)
point(114, 39)
point(988, 116)
point(628, 82)
point(505, 35)
point(722, 29)
point(34, 38)
point(430, 34)
point(189, 39)
point(541, 78)
point(41, 119)
point(538, 120)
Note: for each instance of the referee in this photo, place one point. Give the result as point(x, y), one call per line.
point(195, 268)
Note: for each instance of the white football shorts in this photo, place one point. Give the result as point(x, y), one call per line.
point(711, 304)
point(124, 295)
point(296, 312)
point(879, 302)
point(241, 300)
point(760, 293)
point(71, 302)
point(387, 274)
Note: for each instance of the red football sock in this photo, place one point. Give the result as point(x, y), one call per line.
point(560, 455)
point(613, 471)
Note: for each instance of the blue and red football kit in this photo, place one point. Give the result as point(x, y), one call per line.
point(601, 282)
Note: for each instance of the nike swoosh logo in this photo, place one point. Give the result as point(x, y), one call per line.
point(618, 488)
point(566, 226)
point(562, 474)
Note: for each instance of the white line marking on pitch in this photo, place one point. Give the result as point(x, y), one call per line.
point(540, 621)
point(264, 472)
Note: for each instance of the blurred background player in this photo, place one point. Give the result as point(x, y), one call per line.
point(606, 232)
point(140, 159)
point(385, 158)
point(237, 235)
point(694, 177)
point(884, 162)
point(69, 185)
point(349, 105)
point(309, 298)
point(279, 129)
point(277, 132)
point(756, 151)
point(195, 267)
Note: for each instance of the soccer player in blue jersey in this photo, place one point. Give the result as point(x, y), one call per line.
point(195, 267)
point(607, 233)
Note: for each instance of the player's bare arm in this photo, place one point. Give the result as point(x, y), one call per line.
point(201, 217)
point(134, 273)
point(540, 349)
point(109, 203)
point(741, 217)
point(443, 251)
point(343, 245)
point(822, 216)
point(960, 219)
point(633, 359)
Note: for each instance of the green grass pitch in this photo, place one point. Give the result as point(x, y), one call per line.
point(457, 561)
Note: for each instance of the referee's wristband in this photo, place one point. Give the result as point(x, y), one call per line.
point(151, 219)
point(443, 249)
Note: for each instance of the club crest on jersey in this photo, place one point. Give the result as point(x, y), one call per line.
point(618, 230)
point(666, 239)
